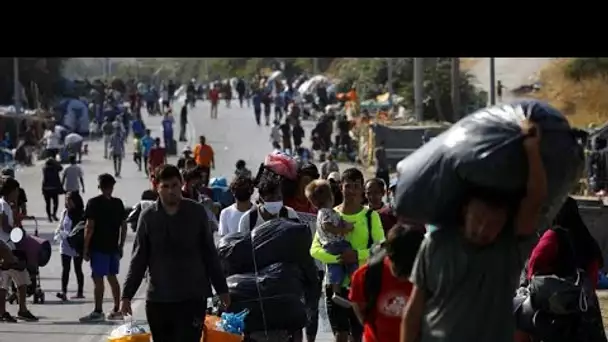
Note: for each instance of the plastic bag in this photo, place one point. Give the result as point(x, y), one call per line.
point(235, 252)
point(129, 332)
point(233, 323)
point(280, 295)
point(213, 334)
point(483, 151)
point(277, 240)
point(281, 240)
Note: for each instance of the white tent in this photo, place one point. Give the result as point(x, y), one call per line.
point(312, 84)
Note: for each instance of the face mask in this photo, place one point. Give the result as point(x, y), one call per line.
point(273, 208)
point(242, 195)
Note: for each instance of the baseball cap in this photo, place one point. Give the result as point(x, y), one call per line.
point(334, 176)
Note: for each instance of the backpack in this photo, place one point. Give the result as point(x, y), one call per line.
point(373, 277)
point(253, 216)
point(76, 237)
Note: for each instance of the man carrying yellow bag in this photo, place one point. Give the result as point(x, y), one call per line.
point(175, 244)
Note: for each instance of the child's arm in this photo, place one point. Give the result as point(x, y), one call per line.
point(340, 229)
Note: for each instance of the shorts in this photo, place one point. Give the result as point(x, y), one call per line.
point(19, 277)
point(166, 103)
point(104, 264)
point(341, 319)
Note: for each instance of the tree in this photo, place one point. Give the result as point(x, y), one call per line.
point(370, 75)
point(45, 73)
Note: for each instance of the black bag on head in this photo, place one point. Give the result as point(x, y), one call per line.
point(484, 151)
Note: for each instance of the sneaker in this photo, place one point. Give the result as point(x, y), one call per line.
point(93, 317)
point(27, 316)
point(6, 317)
point(78, 296)
point(115, 316)
point(61, 296)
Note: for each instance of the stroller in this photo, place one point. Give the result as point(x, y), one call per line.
point(24, 252)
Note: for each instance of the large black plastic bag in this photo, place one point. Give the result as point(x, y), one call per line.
point(281, 240)
point(235, 252)
point(277, 240)
point(277, 289)
point(484, 150)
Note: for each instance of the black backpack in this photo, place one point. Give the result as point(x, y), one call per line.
point(76, 237)
point(373, 277)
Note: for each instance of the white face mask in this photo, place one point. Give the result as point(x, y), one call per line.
point(273, 208)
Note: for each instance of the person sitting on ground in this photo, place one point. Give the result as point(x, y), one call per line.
point(241, 169)
point(242, 189)
point(331, 229)
point(271, 203)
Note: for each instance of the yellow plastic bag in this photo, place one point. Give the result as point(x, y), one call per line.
point(211, 334)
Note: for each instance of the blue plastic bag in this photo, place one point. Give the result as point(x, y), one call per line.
point(233, 323)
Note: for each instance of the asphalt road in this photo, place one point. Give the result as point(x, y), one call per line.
point(234, 135)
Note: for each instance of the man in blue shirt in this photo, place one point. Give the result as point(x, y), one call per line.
point(167, 125)
point(147, 142)
point(138, 127)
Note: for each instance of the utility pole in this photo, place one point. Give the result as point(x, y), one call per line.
point(315, 65)
point(419, 88)
point(389, 70)
point(456, 88)
point(16, 85)
point(492, 81)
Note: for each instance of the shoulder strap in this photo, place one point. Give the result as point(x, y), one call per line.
point(283, 212)
point(370, 238)
point(253, 217)
point(372, 284)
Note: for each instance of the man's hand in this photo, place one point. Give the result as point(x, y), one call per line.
point(531, 133)
point(125, 307)
point(225, 300)
point(348, 257)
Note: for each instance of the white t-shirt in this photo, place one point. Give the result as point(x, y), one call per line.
point(229, 220)
point(164, 95)
point(244, 222)
point(73, 138)
point(53, 139)
point(5, 209)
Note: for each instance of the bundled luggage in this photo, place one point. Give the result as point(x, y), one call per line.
point(277, 240)
point(484, 151)
point(277, 290)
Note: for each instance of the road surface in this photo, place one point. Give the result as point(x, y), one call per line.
point(234, 136)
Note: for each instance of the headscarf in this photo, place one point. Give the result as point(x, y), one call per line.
point(586, 247)
point(76, 214)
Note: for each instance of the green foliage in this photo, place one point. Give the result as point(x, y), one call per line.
point(43, 73)
point(371, 77)
point(580, 68)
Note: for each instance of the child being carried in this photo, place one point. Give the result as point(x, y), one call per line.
point(331, 231)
